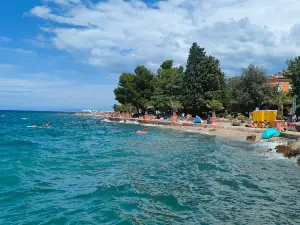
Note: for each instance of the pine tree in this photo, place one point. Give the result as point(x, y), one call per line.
point(203, 80)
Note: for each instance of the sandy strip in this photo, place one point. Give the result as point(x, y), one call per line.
point(222, 133)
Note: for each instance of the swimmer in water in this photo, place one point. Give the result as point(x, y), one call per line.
point(47, 124)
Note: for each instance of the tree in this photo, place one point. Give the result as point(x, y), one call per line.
point(278, 98)
point(174, 105)
point(215, 105)
point(248, 91)
point(168, 64)
point(168, 83)
point(294, 74)
point(126, 92)
point(136, 89)
point(144, 87)
point(203, 80)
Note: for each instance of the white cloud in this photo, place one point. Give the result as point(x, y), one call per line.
point(119, 34)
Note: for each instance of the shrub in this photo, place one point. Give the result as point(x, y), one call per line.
point(242, 118)
point(222, 115)
point(228, 116)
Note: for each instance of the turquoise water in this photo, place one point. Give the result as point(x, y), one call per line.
point(84, 171)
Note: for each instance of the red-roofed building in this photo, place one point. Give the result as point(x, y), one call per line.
point(281, 81)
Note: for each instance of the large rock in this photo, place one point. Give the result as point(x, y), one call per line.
point(294, 144)
point(287, 151)
point(298, 163)
point(251, 138)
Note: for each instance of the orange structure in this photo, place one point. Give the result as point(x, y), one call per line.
point(280, 81)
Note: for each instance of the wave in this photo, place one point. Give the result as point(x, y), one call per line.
point(132, 122)
point(151, 125)
point(121, 121)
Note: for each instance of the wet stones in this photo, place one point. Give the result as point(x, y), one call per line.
point(287, 151)
point(298, 163)
point(251, 138)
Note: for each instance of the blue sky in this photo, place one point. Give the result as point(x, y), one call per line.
point(68, 54)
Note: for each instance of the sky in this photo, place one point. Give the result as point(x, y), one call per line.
point(68, 54)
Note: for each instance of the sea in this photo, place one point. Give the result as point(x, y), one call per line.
point(82, 170)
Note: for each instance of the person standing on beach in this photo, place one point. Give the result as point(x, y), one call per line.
point(183, 115)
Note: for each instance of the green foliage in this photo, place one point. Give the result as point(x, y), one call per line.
point(277, 98)
point(214, 105)
point(168, 84)
point(123, 108)
point(248, 91)
point(203, 79)
point(242, 118)
point(280, 115)
point(126, 92)
point(136, 89)
point(168, 64)
point(175, 105)
point(294, 74)
point(201, 86)
point(229, 116)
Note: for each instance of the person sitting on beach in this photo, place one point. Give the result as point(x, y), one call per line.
point(174, 118)
point(197, 119)
point(189, 117)
point(266, 124)
point(146, 116)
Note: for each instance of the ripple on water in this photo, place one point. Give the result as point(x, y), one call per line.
point(83, 171)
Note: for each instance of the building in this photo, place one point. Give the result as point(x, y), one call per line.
point(280, 80)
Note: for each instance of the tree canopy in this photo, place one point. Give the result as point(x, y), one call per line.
point(136, 89)
point(201, 87)
point(168, 84)
point(294, 74)
point(203, 79)
point(248, 91)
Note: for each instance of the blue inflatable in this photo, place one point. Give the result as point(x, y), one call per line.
point(270, 132)
point(197, 120)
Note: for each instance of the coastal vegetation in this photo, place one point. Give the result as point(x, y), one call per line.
point(202, 87)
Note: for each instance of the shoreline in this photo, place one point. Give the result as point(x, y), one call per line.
point(224, 132)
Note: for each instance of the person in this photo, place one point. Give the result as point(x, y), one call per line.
point(183, 115)
point(208, 120)
point(255, 125)
point(174, 118)
point(47, 124)
point(266, 124)
point(294, 118)
point(146, 116)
